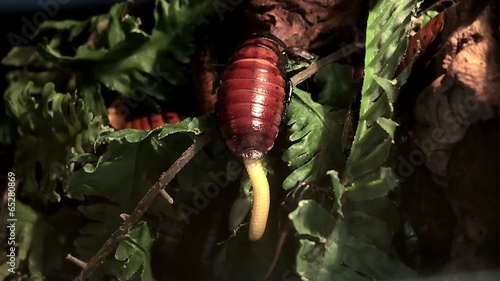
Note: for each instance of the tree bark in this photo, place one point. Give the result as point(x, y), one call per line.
point(299, 23)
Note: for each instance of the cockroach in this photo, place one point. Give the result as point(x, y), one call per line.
point(417, 46)
point(419, 42)
point(204, 75)
point(118, 112)
point(302, 191)
point(253, 94)
point(408, 245)
point(151, 122)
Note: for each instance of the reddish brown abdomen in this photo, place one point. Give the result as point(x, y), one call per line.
point(250, 99)
point(425, 36)
point(152, 121)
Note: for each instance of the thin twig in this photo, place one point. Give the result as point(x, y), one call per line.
point(315, 67)
point(142, 207)
point(167, 196)
point(76, 261)
point(124, 216)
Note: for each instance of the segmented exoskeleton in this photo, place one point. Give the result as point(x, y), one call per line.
point(252, 96)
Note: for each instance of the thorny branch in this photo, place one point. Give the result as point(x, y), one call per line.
point(142, 206)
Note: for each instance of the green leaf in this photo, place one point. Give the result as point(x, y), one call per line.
point(105, 220)
point(358, 247)
point(53, 129)
point(373, 185)
point(316, 127)
point(310, 259)
point(176, 22)
point(366, 258)
point(372, 160)
point(193, 125)
point(384, 49)
point(91, 95)
point(133, 167)
point(373, 221)
point(36, 234)
point(427, 16)
point(388, 125)
point(135, 159)
point(338, 190)
point(135, 252)
point(70, 28)
point(188, 125)
point(22, 56)
point(342, 273)
point(129, 255)
point(311, 219)
point(52, 236)
point(316, 139)
point(348, 250)
point(373, 137)
point(31, 66)
point(25, 226)
point(132, 62)
point(337, 85)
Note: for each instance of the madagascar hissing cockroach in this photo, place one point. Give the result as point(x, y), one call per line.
point(204, 75)
point(150, 122)
point(419, 42)
point(252, 96)
point(119, 119)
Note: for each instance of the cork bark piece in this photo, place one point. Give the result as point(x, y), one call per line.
point(469, 89)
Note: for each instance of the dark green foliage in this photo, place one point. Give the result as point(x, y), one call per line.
point(316, 136)
point(51, 129)
point(355, 242)
point(67, 155)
